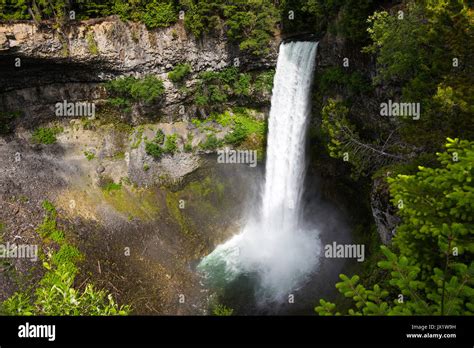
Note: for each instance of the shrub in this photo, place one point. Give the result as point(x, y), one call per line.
point(170, 146)
point(146, 90)
point(112, 186)
point(238, 134)
point(159, 14)
point(211, 143)
point(159, 137)
point(43, 135)
point(217, 87)
point(153, 149)
point(188, 146)
point(430, 260)
point(48, 228)
point(221, 310)
point(91, 44)
point(179, 72)
point(264, 81)
point(89, 155)
point(243, 126)
point(55, 293)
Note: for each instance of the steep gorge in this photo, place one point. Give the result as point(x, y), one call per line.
point(73, 65)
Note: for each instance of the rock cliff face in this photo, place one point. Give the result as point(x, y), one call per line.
point(332, 50)
point(70, 63)
point(383, 212)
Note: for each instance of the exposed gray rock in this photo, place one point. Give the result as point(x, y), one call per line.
point(69, 65)
point(383, 212)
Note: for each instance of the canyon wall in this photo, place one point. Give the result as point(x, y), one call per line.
point(70, 63)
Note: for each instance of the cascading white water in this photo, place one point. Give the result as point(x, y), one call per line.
point(274, 243)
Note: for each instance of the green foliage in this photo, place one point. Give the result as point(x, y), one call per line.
point(89, 155)
point(153, 149)
point(248, 23)
point(251, 24)
point(66, 254)
point(129, 89)
point(437, 206)
point(352, 19)
point(170, 146)
point(41, 9)
point(264, 81)
point(179, 72)
point(111, 186)
point(159, 137)
point(217, 87)
point(159, 146)
point(415, 59)
point(346, 18)
point(340, 132)
point(222, 311)
point(335, 123)
point(48, 229)
point(336, 78)
point(343, 141)
point(211, 143)
point(188, 146)
point(237, 136)
point(55, 293)
point(159, 14)
point(44, 135)
point(14, 10)
point(201, 16)
point(416, 55)
point(243, 126)
point(91, 44)
point(430, 264)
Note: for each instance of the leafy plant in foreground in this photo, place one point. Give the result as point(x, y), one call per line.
point(55, 294)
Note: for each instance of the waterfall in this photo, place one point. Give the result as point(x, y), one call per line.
point(274, 243)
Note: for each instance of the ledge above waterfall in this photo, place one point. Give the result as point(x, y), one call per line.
point(302, 36)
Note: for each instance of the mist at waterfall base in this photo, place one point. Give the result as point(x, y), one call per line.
point(277, 251)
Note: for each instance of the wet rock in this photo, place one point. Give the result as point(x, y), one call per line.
point(382, 210)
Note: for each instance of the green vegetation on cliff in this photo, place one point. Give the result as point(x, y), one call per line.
point(424, 56)
point(127, 90)
point(429, 264)
point(56, 293)
point(217, 87)
point(46, 135)
point(179, 72)
point(250, 24)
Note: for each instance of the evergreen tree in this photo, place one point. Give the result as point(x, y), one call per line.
point(430, 262)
